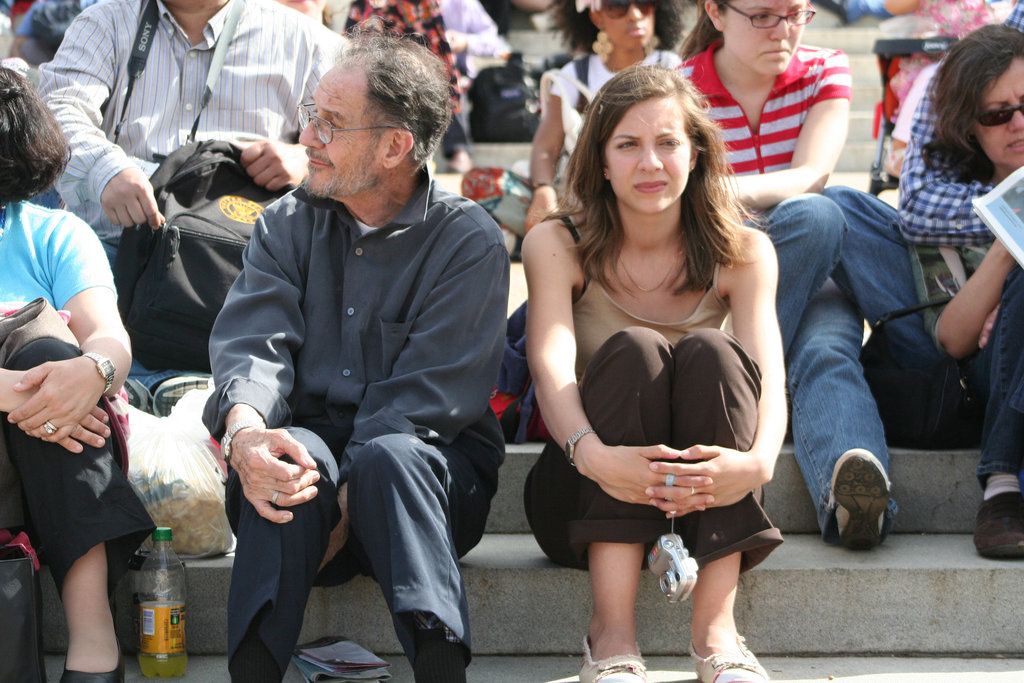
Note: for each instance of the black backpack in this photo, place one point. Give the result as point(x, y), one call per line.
point(505, 103)
point(172, 282)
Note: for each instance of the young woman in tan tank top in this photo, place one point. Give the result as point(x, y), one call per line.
point(667, 419)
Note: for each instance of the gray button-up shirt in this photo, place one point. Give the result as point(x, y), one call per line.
point(397, 331)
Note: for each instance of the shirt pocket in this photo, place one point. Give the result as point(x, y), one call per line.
point(385, 343)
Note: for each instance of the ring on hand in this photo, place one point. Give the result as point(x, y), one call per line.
point(50, 429)
point(273, 498)
point(670, 480)
point(693, 491)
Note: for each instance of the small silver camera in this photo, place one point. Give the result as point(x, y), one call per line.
point(675, 569)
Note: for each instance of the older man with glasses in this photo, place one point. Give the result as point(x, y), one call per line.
point(354, 358)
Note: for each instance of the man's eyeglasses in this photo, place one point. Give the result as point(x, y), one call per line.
point(324, 130)
point(617, 10)
point(766, 20)
point(998, 117)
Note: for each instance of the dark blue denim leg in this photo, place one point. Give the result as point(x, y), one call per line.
point(807, 231)
point(1002, 438)
point(874, 271)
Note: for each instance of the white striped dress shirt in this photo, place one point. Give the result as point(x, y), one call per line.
point(274, 62)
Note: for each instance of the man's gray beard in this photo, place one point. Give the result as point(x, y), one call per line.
point(338, 188)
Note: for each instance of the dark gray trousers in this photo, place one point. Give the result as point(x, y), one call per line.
point(414, 507)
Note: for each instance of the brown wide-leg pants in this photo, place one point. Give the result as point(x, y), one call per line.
point(638, 390)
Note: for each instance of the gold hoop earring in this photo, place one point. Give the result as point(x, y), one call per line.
point(602, 47)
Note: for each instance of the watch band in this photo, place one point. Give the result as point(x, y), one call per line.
point(570, 444)
point(105, 367)
point(225, 443)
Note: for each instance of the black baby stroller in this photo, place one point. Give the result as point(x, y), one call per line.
point(890, 51)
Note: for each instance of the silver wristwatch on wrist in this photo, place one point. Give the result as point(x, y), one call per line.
point(225, 443)
point(570, 444)
point(105, 367)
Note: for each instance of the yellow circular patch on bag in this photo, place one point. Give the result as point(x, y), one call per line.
point(240, 209)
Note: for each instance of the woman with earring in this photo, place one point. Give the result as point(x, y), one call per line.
point(610, 35)
point(664, 417)
point(785, 108)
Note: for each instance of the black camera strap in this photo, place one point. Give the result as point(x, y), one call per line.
point(148, 25)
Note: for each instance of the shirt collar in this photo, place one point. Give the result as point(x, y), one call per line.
point(211, 32)
point(414, 211)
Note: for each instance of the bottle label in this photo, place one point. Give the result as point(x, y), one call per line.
point(162, 628)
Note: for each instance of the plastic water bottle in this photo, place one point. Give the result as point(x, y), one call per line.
point(161, 591)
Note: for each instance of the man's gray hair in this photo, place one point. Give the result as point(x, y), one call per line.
point(407, 87)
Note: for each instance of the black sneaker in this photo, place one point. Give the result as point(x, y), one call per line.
point(138, 395)
point(170, 391)
point(861, 490)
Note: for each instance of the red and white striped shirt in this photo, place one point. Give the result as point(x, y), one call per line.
point(814, 74)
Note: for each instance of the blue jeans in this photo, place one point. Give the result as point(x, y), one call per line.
point(996, 371)
point(832, 407)
point(874, 271)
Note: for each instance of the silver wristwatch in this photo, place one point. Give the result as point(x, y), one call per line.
point(225, 443)
point(105, 367)
point(570, 445)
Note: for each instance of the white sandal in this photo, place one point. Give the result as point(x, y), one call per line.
point(729, 667)
point(614, 669)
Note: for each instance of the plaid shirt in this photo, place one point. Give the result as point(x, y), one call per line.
point(935, 205)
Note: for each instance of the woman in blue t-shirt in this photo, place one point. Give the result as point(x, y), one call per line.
point(78, 508)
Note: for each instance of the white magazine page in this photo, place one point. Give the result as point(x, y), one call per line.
point(1002, 209)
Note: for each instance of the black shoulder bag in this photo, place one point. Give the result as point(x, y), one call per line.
point(923, 407)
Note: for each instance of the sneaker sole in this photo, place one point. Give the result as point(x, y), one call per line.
point(863, 491)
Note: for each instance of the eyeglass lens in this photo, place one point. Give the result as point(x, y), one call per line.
point(998, 117)
point(617, 10)
point(766, 20)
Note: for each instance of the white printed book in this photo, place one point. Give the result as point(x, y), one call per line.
point(1002, 209)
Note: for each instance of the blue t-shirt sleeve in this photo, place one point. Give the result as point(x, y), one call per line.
point(77, 259)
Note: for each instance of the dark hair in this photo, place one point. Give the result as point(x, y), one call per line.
point(406, 86)
point(33, 149)
point(710, 216)
point(970, 67)
point(703, 33)
point(579, 32)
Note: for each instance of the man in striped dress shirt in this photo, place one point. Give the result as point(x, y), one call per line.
point(274, 63)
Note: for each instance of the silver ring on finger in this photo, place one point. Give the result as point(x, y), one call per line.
point(50, 428)
point(273, 498)
point(670, 480)
point(693, 491)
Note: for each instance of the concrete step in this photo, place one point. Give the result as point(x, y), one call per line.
point(563, 669)
point(936, 490)
point(914, 595)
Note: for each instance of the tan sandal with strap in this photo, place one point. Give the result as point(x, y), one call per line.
point(614, 669)
point(730, 667)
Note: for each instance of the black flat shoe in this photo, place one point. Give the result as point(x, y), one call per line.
point(115, 676)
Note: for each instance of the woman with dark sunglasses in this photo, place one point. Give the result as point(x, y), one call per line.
point(609, 35)
point(968, 137)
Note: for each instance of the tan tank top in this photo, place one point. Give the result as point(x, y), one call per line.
point(596, 318)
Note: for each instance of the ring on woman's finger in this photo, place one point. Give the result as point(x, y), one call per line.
point(273, 498)
point(50, 428)
point(670, 480)
point(693, 491)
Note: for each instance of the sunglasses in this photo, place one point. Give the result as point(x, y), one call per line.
point(998, 117)
point(617, 10)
